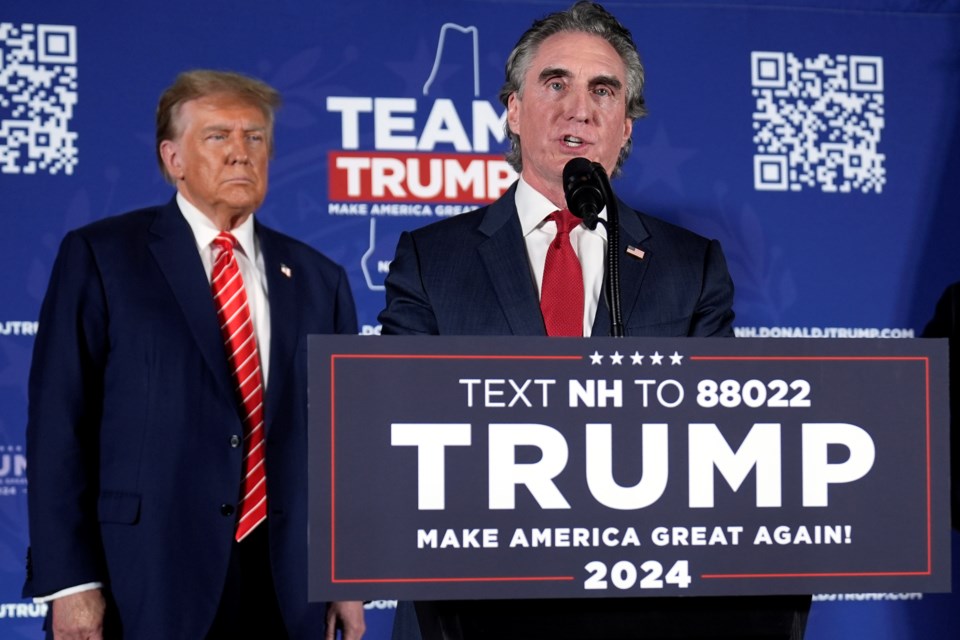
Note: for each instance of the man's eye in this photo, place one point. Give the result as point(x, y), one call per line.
point(556, 86)
point(602, 91)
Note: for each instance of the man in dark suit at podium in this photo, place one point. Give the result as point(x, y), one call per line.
point(167, 428)
point(521, 266)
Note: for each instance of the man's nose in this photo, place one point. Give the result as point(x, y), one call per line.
point(579, 105)
point(237, 152)
point(238, 155)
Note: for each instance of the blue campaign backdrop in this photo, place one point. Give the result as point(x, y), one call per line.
point(818, 140)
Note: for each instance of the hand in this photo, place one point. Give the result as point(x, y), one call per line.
point(79, 616)
point(348, 618)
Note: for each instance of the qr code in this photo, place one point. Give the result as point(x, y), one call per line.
point(38, 93)
point(818, 122)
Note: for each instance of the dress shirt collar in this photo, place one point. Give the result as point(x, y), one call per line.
point(533, 207)
point(204, 231)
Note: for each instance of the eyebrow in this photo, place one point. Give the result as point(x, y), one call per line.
point(554, 72)
point(560, 72)
point(610, 81)
point(229, 127)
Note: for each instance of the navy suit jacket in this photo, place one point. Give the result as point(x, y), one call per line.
point(469, 275)
point(133, 463)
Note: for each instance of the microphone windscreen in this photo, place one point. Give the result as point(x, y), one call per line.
point(583, 190)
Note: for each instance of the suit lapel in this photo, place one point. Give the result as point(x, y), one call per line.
point(633, 233)
point(504, 255)
point(284, 319)
point(175, 250)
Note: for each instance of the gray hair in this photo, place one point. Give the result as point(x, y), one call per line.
point(584, 17)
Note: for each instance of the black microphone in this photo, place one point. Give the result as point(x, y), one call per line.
point(583, 190)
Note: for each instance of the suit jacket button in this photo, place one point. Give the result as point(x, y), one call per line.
point(226, 509)
point(235, 441)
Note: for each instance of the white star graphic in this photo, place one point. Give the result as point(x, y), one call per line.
point(616, 358)
point(636, 358)
point(596, 358)
point(675, 358)
point(656, 358)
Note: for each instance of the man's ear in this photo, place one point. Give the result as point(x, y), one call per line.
point(170, 153)
point(513, 113)
point(627, 130)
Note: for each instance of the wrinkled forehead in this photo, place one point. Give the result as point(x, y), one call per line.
point(575, 50)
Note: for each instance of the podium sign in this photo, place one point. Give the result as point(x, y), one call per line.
point(508, 467)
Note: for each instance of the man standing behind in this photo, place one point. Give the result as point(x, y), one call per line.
point(167, 428)
point(521, 266)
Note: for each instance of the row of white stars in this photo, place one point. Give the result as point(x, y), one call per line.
point(656, 358)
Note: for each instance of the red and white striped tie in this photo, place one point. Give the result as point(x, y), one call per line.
point(240, 343)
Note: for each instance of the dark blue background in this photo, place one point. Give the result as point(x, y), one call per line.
point(799, 259)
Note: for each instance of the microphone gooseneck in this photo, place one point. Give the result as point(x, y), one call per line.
point(587, 190)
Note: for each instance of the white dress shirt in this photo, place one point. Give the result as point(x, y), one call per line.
point(533, 207)
point(252, 271)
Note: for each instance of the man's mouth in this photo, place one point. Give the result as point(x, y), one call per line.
point(572, 141)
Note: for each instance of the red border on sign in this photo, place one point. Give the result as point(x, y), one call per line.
point(707, 576)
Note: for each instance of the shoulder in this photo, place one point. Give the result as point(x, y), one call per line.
point(677, 246)
point(660, 229)
point(121, 225)
point(946, 316)
point(952, 293)
point(479, 223)
point(125, 235)
point(276, 244)
point(455, 226)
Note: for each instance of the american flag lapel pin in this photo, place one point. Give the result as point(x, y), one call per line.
point(635, 252)
point(286, 271)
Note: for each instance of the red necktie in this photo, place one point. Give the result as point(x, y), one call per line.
point(240, 343)
point(561, 296)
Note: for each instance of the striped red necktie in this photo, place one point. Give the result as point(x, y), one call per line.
point(561, 294)
point(240, 343)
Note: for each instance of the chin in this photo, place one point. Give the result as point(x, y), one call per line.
point(241, 205)
point(243, 197)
